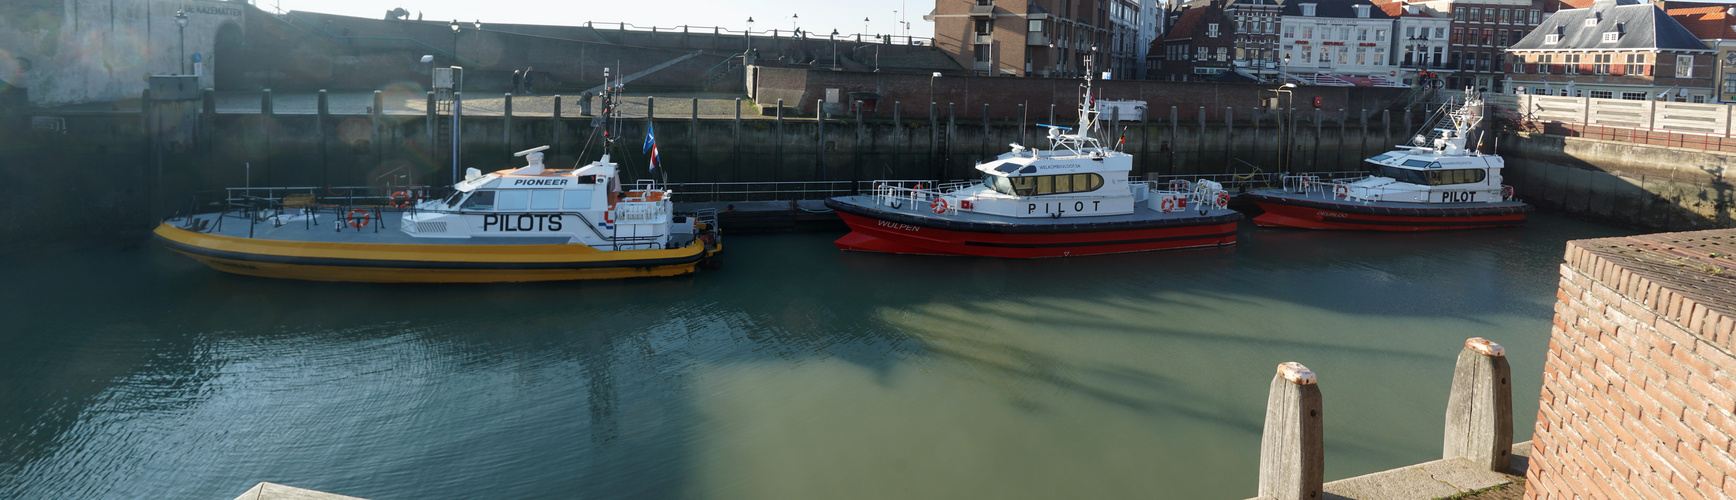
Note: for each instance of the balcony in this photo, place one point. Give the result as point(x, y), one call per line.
point(982, 11)
point(982, 38)
point(1036, 38)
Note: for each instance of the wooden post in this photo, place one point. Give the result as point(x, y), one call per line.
point(897, 135)
point(375, 118)
point(778, 145)
point(1174, 145)
point(1480, 407)
point(322, 112)
point(820, 135)
point(506, 122)
point(1292, 456)
point(693, 144)
point(1229, 136)
point(735, 143)
point(985, 141)
point(560, 128)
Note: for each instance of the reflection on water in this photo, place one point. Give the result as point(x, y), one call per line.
point(796, 371)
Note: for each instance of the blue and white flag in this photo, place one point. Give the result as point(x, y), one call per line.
point(651, 146)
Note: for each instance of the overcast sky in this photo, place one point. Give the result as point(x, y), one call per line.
point(821, 16)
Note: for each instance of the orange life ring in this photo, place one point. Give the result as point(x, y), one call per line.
point(358, 218)
point(1177, 185)
point(400, 199)
point(1506, 192)
point(938, 205)
point(1168, 205)
point(1343, 191)
point(1223, 200)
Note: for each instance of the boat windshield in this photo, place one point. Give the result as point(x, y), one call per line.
point(452, 201)
point(1400, 174)
point(999, 184)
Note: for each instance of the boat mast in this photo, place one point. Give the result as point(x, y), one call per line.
point(1085, 107)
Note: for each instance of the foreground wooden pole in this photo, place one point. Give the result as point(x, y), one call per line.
point(1480, 407)
point(1292, 457)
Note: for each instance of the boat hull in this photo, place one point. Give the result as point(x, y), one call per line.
point(425, 263)
point(1284, 211)
point(877, 234)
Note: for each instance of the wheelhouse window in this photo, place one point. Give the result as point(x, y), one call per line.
point(545, 199)
point(1040, 185)
point(1401, 174)
point(513, 199)
point(1459, 176)
point(480, 200)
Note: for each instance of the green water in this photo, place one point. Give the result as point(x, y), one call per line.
point(794, 372)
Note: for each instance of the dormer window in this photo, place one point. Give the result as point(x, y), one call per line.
point(1595, 18)
point(1551, 38)
point(1308, 9)
point(1362, 11)
point(1610, 36)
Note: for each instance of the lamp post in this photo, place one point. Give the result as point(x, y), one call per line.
point(455, 28)
point(749, 36)
point(181, 21)
point(1284, 116)
point(834, 39)
point(931, 91)
point(864, 28)
point(793, 19)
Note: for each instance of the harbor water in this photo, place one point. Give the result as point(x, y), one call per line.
point(794, 372)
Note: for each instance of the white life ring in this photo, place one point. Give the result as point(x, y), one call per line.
point(1168, 205)
point(1342, 191)
point(938, 205)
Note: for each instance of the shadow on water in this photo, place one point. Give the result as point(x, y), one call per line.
point(144, 374)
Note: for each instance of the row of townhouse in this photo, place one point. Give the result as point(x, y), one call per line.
point(1627, 49)
point(1043, 37)
point(1345, 42)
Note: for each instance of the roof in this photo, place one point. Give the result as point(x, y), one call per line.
point(1643, 26)
point(1707, 21)
point(1184, 27)
point(1396, 8)
point(1333, 8)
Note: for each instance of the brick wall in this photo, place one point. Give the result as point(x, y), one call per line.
point(1638, 394)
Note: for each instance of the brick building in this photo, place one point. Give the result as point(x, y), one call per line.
point(1037, 37)
point(1198, 46)
point(1712, 24)
point(1614, 49)
point(1638, 395)
point(1480, 30)
point(1419, 41)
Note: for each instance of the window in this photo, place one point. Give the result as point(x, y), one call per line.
point(1343, 55)
point(479, 200)
point(1610, 36)
point(1212, 30)
point(1362, 35)
point(1036, 26)
point(1410, 32)
point(1379, 57)
point(1488, 37)
point(1223, 53)
point(1633, 96)
point(545, 199)
point(1572, 61)
point(1535, 16)
point(1730, 83)
point(1289, 31)
point(1307, 32)
point(1343, 33)
point(1202, 54)
point(1459, 14)
point(1698, 99)
point(1402, 174)
point(984, 27)
point(1308, 9)
point(1684, 66)
point(580, 200)
point(1039, 185)
point(982, 53)
point(1379, 35)
point(1458, 36)
point(1440, 33)
point(513, 199)
point(1506, 16)
point(1483, 61)
point(1459, 176)
point(1514, 37)
point(1501, 37)
point(1362, 55)
point(1307, 55)
point(1489, 15)
point(1601, 94)
point(1362, 11)
point(1551, 39)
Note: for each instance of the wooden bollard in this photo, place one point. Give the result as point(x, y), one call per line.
point(1292, 454)
point(1480, 407)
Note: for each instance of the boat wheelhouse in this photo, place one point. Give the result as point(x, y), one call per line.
point(1431, 184)
point(1075, 198)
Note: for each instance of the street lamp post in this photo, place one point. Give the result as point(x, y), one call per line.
point(455, 28)
point(1288, 129)
point(834, 39)
point(793, 19)
point(749, 36)
point(931, 91)
point(181, 21)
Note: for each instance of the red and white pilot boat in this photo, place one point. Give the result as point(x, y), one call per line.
point(1074, 198)
point(1430, 185)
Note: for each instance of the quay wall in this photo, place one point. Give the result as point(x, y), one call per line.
point(1622, 183)
point(1638, 396)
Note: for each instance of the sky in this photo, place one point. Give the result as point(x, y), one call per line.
point(817, 16)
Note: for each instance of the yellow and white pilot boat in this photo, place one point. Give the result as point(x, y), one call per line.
point(526, 224)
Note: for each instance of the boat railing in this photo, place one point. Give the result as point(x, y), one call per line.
point(763, 191)
point(1341, 187)
point(900, 194)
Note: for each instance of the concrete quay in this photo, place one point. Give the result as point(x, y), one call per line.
point(274, 491)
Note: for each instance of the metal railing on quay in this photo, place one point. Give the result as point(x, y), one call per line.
point(1635, 135)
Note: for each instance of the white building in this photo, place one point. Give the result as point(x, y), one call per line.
point(1149, 29)
point(1338, 42)
point(1419, 44)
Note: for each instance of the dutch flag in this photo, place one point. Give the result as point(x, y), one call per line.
point(651, 147)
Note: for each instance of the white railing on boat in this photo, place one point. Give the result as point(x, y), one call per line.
point(1340, 186)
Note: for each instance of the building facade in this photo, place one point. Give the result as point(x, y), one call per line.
point(1480, 32)
point(1419, 40)
point(1149, 30)
point(1037, 37)
point(1713, 23)
point(1619, 49)
point(1337, 42)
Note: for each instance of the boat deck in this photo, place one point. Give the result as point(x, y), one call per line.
point(1140, 217)
point(1330, 201)
point(326, 227)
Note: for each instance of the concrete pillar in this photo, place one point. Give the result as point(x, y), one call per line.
point(560, 127)
point(1480, 407)
point(1292, 453)
point(506, 122)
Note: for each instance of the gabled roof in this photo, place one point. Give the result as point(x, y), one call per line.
point(1642, 26)
point(1707, 21)
point(1396, 9)
point(1333, 8)
point(1184, 27)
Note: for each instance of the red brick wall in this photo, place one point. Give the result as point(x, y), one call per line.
point(1638, 394)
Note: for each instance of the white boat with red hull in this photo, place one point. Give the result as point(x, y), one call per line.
point(1075, 198)
point(1429, 185)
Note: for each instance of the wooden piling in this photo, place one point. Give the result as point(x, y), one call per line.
point(1292, 455)
point(1480, 407)
point(506, 122)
